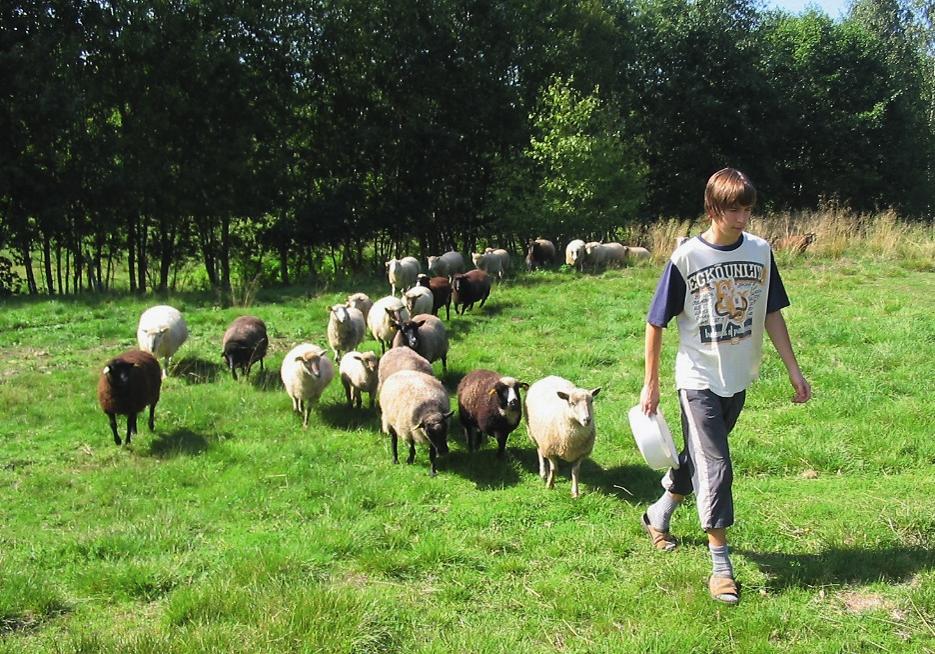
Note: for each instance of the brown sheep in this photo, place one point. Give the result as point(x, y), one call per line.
point(796, 243)
point(441, 293)
point(127, 384)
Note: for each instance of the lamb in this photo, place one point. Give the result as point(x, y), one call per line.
point(383, 312)
point(128, 383)
point(560, 420)
point(402, 273)
point(539, 253)
point(595, 255)
point(419, 299)
point(441, 293)
point(495, 262)
point(489, 404)
point(245, 342)
point(472, 286)
point(416, 408)
point(400, 358)
point(796, 243)
point(448, 264)
point(425, 334)
point(346, 328)
point(574, 254)
point(358, 371)
point(361, 302)
point(161, 332)
point(306, 371)
point(635, 253)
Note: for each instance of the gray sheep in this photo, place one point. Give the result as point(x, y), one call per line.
point(400, 358)
point(245, 342)
point(416, 409)
point(489, 404)
point(425, 334)
point(128, 384)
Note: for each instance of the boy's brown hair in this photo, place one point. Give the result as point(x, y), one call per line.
point(726, 189)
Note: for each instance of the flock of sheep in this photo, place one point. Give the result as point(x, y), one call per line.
point(414, 404)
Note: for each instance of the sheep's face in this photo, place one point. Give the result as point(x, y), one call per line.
point(435, 426)
point(152, 339)
point(339, 311)
point(370, 361)
point(118, 373)
point(431, 262)
point(509, 403)
point(311, 362)
point(410, 332)
point(478, 259)
point(457, 283)
point(580, 405)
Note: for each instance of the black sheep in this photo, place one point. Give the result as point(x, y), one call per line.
point(244, 343)
point(490, 404)
point(441, 293)
point(127, 384)
point(472, 286)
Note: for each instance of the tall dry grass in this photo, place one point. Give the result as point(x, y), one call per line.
point(838, 232)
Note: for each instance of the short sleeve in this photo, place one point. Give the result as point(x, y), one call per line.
point(776, 297)
point(669, 299)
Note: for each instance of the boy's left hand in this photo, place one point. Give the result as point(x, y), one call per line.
point(803, 391)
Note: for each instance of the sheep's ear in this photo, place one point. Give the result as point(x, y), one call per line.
point(358, 357)
point(449, 414)
point(562, 394)
point(420, 323)
point(595, 391)
point(522, 385)
point(106, 370)
point(299, 358)
point(492, 391)
point(389, 312)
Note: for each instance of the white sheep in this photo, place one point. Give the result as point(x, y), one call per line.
point(495, 262)
point(560, 421)
point(383, 312)
point(419, 299)
point(595, 255)
point(306, 371)
point(416, 409)
point(574, 253)
point(346, 328)
point(361, 302)
point(358, 371)
point(402, 273)
point(161, 332)
point(448, 264)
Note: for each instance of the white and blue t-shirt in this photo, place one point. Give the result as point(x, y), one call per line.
point(720, 296)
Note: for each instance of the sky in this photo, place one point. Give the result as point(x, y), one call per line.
point(834, 8)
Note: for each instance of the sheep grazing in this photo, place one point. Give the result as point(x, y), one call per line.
point(244, 343)
point(494, 262)
point(441, 293)
point(416, 409)
point(401, 358)
point(448, 264)
point(595, 255)
point(539, 253)
point(575, 254)
point(796, 243)
point(419, 299)
point(384, 312)
point(615, 254)
point(401, 273)
point(635, 254)
point(346, 328)
point(471, 287)
point(127, 385)
point(560, 420)
point(425, 334)
point(306, 371)
point(358, 372)
point(361, 302)
point(161, 332)
point(489, 404)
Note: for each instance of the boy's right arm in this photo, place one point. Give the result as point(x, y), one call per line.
point(649, 396)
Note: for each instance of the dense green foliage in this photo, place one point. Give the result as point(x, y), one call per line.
point(282, 138)
point(232, 529)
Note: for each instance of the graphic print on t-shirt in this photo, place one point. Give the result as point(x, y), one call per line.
point(723, 297)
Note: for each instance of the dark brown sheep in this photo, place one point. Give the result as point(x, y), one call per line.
point(489, 404)
point(244, 343)
point(441, 293)
point(471, 287)
point(539, 253)
point(129, 383)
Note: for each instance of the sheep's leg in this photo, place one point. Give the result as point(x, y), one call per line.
point(432, 454)
point(372, 394)
point(394, 440)
point(412, 452)
point(542, 473)
point(131, 426)
point(448, 311)
point(574, 478)
point(553, 466)
point(152, 417)
point(445, 363)
point(306, 411)
point(501, 442)
point(112, 417)
point(347, 392)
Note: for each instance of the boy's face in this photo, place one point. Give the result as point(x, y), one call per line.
point(733, 219)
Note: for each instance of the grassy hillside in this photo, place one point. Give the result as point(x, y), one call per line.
point(232, 529)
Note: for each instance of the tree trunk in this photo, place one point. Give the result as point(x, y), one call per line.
point(167, 250)
point(131, 252)
point(79, 268)
point(47, 261)
point(284, 263)
point(225, 253)
point(27, 263)
point(58, 265)
point(141, 259)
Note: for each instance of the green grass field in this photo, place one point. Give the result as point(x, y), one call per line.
point(232, 529)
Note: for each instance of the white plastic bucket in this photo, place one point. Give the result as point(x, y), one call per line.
point(653, 438)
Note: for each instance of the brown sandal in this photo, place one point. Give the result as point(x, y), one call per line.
point(724, 589)
point(662, 540)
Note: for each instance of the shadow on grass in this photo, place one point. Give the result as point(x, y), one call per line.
point(483, 467)
point(842, 566)
point(194, 370)
point(342, 416)
point(176, 443)
point(266, 379)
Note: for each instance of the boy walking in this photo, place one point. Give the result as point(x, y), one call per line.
point(725, 291)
